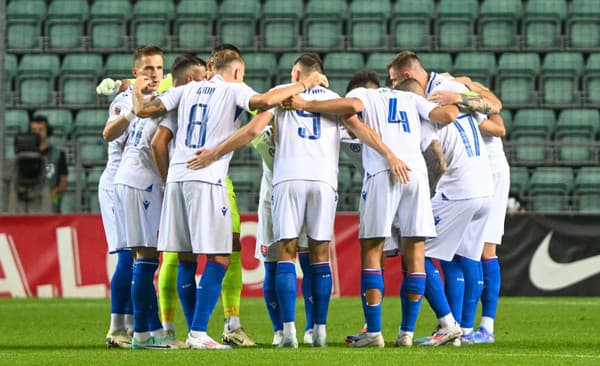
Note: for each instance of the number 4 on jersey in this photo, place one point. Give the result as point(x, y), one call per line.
point(396, 116)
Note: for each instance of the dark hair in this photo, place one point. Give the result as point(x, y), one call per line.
point(410, 85)
point(146, 50)
point(225, 47)
point(362, 78)
point(403, 61)
point(182, 63)
point(41, 119)
point(388, 81)
point(310, 62)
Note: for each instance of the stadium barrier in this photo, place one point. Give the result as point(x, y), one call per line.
point(65, 256)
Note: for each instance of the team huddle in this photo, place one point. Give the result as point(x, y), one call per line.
point(435, 187)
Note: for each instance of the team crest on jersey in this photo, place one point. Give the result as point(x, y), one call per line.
point(364, 195)
point(355, 148)
point(117, 110)
point(149, 188)
point(224, 210)
point(436, 220)
point(146, 204)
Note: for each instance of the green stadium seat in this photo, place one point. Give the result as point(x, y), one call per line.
point(23, 25)
point(367, 24)
point(497, 25)
point(245, 178)
point(10, 70)
point(576, 150)
point(508, 121)
point(91, 150)
point(591, 80)
point(284, 67)
point(587, 202)
point(247, 202)
point(339, 67)
point(560, 78)
point(280, 24)
point(357, 182)
point(9, 150)
point(118, 66)
point(583, 25)
point(61, 119)
point(260, 70)
point(168, 59)
point(35, 80)
point(410, 24)
point(533, 122)
point(70, 202)
point(588, 180)
point(531, 151)
point(151, 23)
point(479, 66)
point(519, 180)
point(378, 62)
point(64, 25)
point(584, 122)
point(92, 178)
point(455, 24)
point(107, 27)
point(550, 188)
point(193, 26)
point(541, 25)
point(344, 179)
point(90, 122)
point(323, 25)
point(237, 23)
point(437, 61)
point(78, 80)
point(515, 78)
point(15, 121)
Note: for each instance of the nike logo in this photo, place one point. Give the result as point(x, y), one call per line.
point(547, 274)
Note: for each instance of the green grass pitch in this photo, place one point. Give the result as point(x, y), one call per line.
point(530, 331)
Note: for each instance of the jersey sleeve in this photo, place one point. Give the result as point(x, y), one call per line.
point(243, 93)
point(452, 85)
point(170, 122)
point(170, 99)
point(428, 134)
point(424, 107)
point(358, 93)
point(120, 106)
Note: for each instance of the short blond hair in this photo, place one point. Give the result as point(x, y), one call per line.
point(224, 58)
point(404, 61)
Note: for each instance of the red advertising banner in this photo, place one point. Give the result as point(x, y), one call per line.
point(66, 256)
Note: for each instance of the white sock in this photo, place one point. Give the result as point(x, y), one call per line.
point(487, 323)
point(129, 321)
point(404, 332)
point(373, 334)
point(447, 321)
point(168, 326)
point(141, 336)
point(158, 333)
point(466, 330)
point(117, 321)
point(197, 334)
point(232, 323)
point(320, 329)
point(289, 329)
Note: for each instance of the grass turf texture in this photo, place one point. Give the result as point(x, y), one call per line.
point(530, 331)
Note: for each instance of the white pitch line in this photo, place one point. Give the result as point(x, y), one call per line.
point(552, 301)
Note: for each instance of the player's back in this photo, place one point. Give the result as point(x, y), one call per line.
point(307, 144)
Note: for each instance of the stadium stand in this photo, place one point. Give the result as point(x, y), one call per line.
point(542, 57)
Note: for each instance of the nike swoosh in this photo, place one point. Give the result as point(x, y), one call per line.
point(547, 274)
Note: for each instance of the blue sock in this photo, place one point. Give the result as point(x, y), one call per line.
point(473, 288)
point(154, 322)
point(307, 289)
point(321, 281)
point(207, 294)
point(270, 296)
point(186, 288)
point(491, 287)
point(120, 284)
point(142, 288)
point(413, 283)
point(434, 290)
point(371, 279)
point(286, 287)
point(454, 286)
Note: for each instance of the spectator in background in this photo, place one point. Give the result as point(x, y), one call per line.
point(56, 162)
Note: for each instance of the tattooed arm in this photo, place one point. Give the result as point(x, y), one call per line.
point(436, 164)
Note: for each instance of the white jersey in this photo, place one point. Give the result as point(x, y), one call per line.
point(119, 107)
point(495, 150)
point(208, 113)
point(396, 117)
point(307, 144)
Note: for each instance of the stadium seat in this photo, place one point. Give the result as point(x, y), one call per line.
point(584, 122)
point(438, 62)
point(378, 62)
point(587, 202)
point(323, 25)
point(559, 79)
point(237, 23)
point(118, 66)
point(507, 118)
point(367, 24)
point(455, 24)
point(10, 71)
point(79, 76)
point(591, 80)
point(588, 179)
point(479, 66)
point(515, 79)
point(497, 25)
point(260, 70)
point(90, 122)
point(90, 198)
point(280, 25)
point(92, 178)
point(519, 179)
point(339, 67)
point(410, 24)
point(107, 27)
point(15, 121)
point(64, 25)
point(357, 182)
point(583, 25)
point(61, 120)
point(193, 26)
point(9, 149)
point(246, 201)
point(91, 150)
point(531, 151)
point(533, 122)
point(550, 188)
point(576, 151)
point(284, 66)
point(151, 23)
point(344, 179)
point(70, 203)
point(35, 80)
point(245, 178)
point(542, 24)
point(23, 25)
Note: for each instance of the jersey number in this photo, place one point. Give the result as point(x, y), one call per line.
point(196, 130)
point(396, 116)
point(472, 149)
point(135, 135)
point(316, 119)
